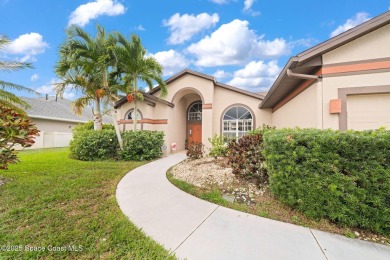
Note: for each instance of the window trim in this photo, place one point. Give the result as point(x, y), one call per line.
point(129, 111)
point(221, 121)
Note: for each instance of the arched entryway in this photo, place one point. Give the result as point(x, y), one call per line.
point(194, 122)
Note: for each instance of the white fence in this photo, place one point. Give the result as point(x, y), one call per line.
point(52, 139)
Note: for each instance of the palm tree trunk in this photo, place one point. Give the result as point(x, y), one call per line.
point(97, 116)
point(135, 105)
point(116, 126)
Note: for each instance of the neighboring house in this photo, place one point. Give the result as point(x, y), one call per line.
point(55, 118)
point(342, 83)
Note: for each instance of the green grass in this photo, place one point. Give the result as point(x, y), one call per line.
point(52, 200)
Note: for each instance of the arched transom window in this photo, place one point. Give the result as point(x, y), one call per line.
point(195, 111)
point(130, 115)
point(236, 122)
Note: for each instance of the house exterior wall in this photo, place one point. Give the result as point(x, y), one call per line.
point(225, 98)
point(374, 45)
point(301, 111)
point(370, 57)
point(54, 125)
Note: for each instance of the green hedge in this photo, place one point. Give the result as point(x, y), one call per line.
point(344, 176)
point(91, 145)
point(142, 145)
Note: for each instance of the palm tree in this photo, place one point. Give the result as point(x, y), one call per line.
point(85, 64)
point(8, 99)
point(133, 65)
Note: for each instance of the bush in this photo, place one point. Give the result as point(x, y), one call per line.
point(142, 145)
point(218, 146)
point(246, 159)
point(344, 176)
point(91, 145)
point(15, 129)
point(195, 150)
point(89, 126)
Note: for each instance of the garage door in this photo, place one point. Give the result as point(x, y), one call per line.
point(368, 111)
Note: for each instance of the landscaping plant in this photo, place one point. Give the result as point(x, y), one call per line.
point(195, 150)
point(142, 145)
point(15, 129)
point(343, 176)
point(218, 146)
point(91, 145)
point(246, 158)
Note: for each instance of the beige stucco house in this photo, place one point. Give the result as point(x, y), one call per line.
point(342, 83)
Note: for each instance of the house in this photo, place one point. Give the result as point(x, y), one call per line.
point(342, 83)
point(55, 119)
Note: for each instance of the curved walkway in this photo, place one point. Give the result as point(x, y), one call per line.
point(196, 229)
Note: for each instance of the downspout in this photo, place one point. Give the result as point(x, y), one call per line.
point(320, 121)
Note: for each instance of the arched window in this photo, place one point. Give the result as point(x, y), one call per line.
point(130, 115)
point(195, 111)
point(236, 122)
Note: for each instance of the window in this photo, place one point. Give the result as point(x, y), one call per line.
point(195, 112)
point(236, 122)
point(130, 115)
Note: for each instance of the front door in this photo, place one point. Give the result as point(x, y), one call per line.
point(194, 132)
point(194, 122)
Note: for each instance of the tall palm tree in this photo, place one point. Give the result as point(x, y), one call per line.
point(85, 64)
point(8, 99)
point(133, 65)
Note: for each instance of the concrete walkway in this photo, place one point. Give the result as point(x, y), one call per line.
point(196, 229)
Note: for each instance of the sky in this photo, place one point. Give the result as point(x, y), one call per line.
point(243, 43)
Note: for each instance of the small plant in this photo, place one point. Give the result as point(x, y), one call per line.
point(219, 146)
point(246, 158)
point(195, 150)
point(15, 129)
point(142, 145)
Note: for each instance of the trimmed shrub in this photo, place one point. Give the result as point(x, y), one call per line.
point(218, 146)
point(142, 145)
point(195, 150)
point(89, 126)
point(91, 145)
point(246, 159)
point(344, 176)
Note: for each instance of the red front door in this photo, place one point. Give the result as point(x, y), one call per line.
point(194, 132)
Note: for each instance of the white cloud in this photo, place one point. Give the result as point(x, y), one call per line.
point(351, 22)
point(50, 89)
point(221, 74)
point(172, 61)
point(34, 77)
point(248, 4)
point(184, 27)
point(28, 45)
point(140, 28)
point(220, 2)
point(234, 43)
point(256, 76)
point(46, 89)
point(91, 10)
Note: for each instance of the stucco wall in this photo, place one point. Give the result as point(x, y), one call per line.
point(53, 125)
point(332, 84)
point(374, 45)
point(224, 98)
point(301, 111)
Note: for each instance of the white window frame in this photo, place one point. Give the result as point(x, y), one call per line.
point(233, 124)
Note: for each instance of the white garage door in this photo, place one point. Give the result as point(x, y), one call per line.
point(368, 111)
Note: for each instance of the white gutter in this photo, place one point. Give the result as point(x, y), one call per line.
point(58, 119)
point(301, 76)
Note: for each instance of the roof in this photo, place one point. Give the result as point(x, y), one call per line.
point(58, 109)
point(148, 98)
point(208, 77)
point(310, 61)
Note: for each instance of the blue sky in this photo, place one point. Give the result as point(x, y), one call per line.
point(244, 43)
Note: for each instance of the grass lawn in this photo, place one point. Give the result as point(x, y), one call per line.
point(69, 208)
